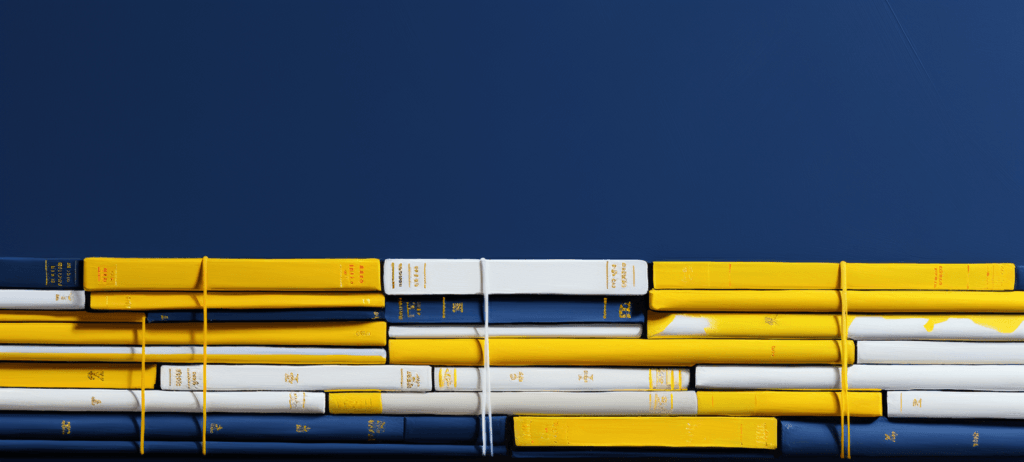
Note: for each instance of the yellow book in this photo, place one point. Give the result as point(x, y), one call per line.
point(67, 316)
point(75, 375)
point(185, 355)
point(868, 276)
point(827, 301)
point(672, 432)
point(174, 274)
point(787, 403)
point(142, 301)
point(346, 333)
point(615, 352)
point(743, 325)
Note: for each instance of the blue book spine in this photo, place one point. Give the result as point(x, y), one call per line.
point(886, 438)
point(514, 310)
point(451, 429)
point(318, 315)
point(243, 448)
point(40, 273)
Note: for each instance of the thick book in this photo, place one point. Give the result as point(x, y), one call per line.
point(239, 274)
point(914, 352)
point(546, 277)
point(863, 276)
point(787, 403)
point(615, 352)
point(150, 301)
point(346, 333)
point(673, 432)
point(511, 309)
point(863, 377)
point(107, 400)
point(561, 379)
point(619, 403)
point(76, 375)
point(297, 378)
point(321, 315)
point(828, 301)
point(888, 438)
point(1001, 327)
point(926, 404)
point(49, 299)
point(21, 315)
point(250, 448)
point(194, 354)
point(519, 330)
point(40, 273)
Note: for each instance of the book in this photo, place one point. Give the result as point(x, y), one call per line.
point(194, 354)
point(76, 375)
point(27, 299)
point(152, 301)
point(828, 301)
point(297, 378)
point(863, 276)
point(546, 277)
point(674, 432)
point(615, 352)
point(253, 448)
point(347, 333)
point(742, 325)
point(787, 403)
point(519, 330)
point(512, 309)
point(913, 352)
point(562, 379)
point(636, 453)
point(320, 315)
point(862, 377)
point(924, 404)
point(40, 273)
point(108, 400)
point(517, 403)
point(239, 274)
point(887, 438)
point(68, 316)
point(1003, 327)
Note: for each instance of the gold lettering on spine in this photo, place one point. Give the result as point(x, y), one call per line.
point(65, 429)
point(301, 428)
point(442, 300)
point(392, 275)
point(605, 315)
point(975, 439)
point(606, 274)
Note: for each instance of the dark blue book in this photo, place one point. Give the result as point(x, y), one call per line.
point(243, 448)
point(40, 273)
point(514, 309)
point(320, 315)
point(885, 438)
point(636, 453)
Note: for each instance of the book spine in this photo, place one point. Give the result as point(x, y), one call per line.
point(17, 315)
point(25, 299)
point(920, 404)
point(514, 310)
point(322, 315)
point(727, 377)
point(78, 375)
point(931, 327)
point(194, 354)
point(786, 403)
point(704, 432)
point(885, 438)
point(636, 453)
point(912, 352)
point(858, 301)
point(40, 273)
point(107, 400)
point(297, 378)
point(742, 325)
point(863, 377)
point(562, 379)
point(244, 448)
point(519, 330)
point(451, 429)
point(145, 301)
point(550, 277)
point(515, 403)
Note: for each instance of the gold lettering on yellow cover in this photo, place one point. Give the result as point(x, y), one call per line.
point(93, 375)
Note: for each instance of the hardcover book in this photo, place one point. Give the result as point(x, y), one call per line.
point(347, 333)
point(863, 377)
point(189, 402)
point(319, 315)
point(297, 378)
point(519, 330)
point(149, 301)
point(40, 273)
point(27, 299)
point(548, 277)
point(561, 379)
point(887, 438)
point(514, 309)
point(691, 432)
point(194, 354)
point(828, 301)
point(518, 403)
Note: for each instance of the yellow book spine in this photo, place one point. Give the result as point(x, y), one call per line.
point(347, 333)
point(196, 358)
point(864, 276)
point(614, 352)
point(142, 301)
point(827, 301)
point(673, 432)
point(76, 375)
point(67, 316)
point(355, 403)
point(742, 325)
point(786, 403)
point(174, 274)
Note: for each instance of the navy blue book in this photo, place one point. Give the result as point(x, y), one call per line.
point(885, 438)
point(514, 309)
point(636, 453)
point(40, 273)
point(320, 315)
point(243, 448)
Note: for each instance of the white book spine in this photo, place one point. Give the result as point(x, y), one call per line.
point(919, 352)
point(558, 277)
point(561, 379)
point(862, 377)
point(103, 400)
point(624, 403)
point(915, 404)
point(297, 378)
point(766, 377)
point(159, 350)
point(512, 330)
point(28, 299)
point(977, 327)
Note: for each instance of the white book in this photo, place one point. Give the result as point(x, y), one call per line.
point(30, 299)
point(561, 379)
point(954, 405)
point(517, 330)
point(908, 327)
point(408, 276)
point(103, 400)
point(297, 378)
point(917, 352)
point(612, 403)
point(173, 353)
point(863, 377)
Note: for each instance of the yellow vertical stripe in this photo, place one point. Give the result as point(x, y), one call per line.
point(142, 426)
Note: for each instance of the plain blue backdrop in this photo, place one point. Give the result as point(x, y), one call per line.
point(736, 130)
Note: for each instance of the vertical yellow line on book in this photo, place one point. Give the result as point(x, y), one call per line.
point(205, 270)
point(142, 387)
point(844, 408)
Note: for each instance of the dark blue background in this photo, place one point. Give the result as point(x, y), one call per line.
point(800, 131)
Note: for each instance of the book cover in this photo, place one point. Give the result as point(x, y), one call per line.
point(194, 354)
point(863, 377)
point(40, 273)
point(517, 403)
point(511, 309)
point(914, 352)
point(28, 299)
point(156, 301)
point(888, 438)
point(76, 375)
point(347, 333)
point(296, 378)
point(742, 325)
point(189, 402)
point(20, 315)
point(320, 315)
point(518, 330)
point(545, 277)
point(1001, 327)
point(675, 432)
point(562, 379)
point(787, 403)
point(541, 452)
point(251, 448)
point(927, 404)
point(828, 301)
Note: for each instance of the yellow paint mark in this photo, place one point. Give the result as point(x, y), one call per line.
point(1004, 324)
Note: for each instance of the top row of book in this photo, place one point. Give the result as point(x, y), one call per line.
point(464, 276)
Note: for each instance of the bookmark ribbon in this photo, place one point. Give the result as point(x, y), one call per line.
point(486, 411)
